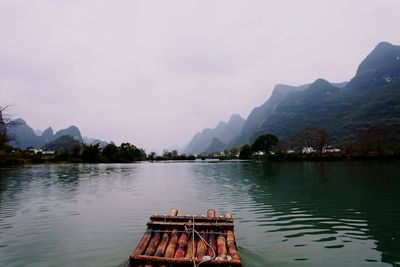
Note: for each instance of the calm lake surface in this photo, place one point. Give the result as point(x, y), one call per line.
point(286, 214)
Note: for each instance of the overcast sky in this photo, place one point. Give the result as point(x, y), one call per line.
point(153, 73)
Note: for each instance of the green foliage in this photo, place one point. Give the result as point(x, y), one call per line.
point(76, 151)
point(3, 140)
point(91, 153)
point(110, 152)
point(234, 151)
point(129, 153)
point(6, 149)
point(152, 156)
point(245, 152)
point(171, 155)
point(265, 143)
point(62, 155)
point(65, 142)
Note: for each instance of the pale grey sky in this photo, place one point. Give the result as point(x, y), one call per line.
point(153, 73)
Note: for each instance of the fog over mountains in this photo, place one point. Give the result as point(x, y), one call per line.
point(24, 136)
point(223, 134)
point(343, 109)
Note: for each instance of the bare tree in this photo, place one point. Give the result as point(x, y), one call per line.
point(378, 138)
point(316, 138)
point(5, 123)
point(321, 139)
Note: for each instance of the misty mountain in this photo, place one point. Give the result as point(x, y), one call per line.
point(215, 146)
point(63, 142)
point(38, 132)
point(93, 141)
point(260, 113)
point(48, 135)
point(343, 109)
point(380, 68)
point(72, 131)
point(24, 136)
point(371, 97)
point(299, 110)
point(224, 131)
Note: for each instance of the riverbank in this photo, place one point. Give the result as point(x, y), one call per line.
point(25, 158)
point(20, 159)
point(328, 157)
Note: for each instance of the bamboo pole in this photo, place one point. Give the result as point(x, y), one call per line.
point(181, 246)
point(169, 252)
point(185, 218)
point(228, 215)
point(222, 252)
point(153, 245)
point(221, 242)
point(143, 243)
point(213, 244)
point(162, 245)
point(201, 250)
point(212, 248)
point(185, 262)
point(151, 249)
point(211, 213)
point(189, 224)
point(165, 237)
point(230, 238)
point(173, 212)
point(191, 248)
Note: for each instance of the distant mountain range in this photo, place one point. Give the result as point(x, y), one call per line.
point(24, 136)
point(343, 109)
point(223, 133)
point(215, 146)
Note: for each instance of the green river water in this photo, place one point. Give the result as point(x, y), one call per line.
point(286, 214)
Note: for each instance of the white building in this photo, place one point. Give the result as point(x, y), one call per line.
point(41, 151)
point(330, 149)
point(308, 150)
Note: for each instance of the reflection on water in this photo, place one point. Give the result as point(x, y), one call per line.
point(286, 214)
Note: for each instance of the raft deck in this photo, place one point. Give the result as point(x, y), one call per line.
point(187, 240)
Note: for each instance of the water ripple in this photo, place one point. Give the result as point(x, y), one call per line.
point(286, 214)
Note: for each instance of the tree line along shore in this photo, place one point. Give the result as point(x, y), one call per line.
point(376, 143)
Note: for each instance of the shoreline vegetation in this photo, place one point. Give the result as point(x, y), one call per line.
point(26, 158)
point(312, 145)
point(377, 142)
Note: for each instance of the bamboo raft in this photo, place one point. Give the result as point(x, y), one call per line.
point(187, 240)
